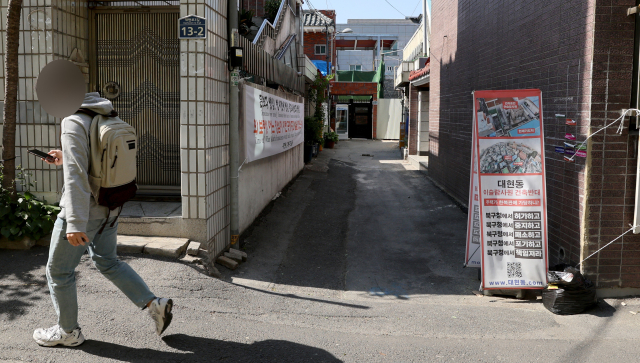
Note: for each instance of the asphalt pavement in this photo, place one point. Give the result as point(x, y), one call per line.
point(359, 260)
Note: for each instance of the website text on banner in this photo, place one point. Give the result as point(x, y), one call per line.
point(512, 190)
point(473, 253)
point(272, 124)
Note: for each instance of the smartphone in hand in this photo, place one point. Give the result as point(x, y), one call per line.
point(42, 155)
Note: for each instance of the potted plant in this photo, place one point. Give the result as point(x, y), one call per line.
point(330, 139)
point(312, 130)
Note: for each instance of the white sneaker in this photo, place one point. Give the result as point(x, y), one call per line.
point(56, 335)
point(160, 311)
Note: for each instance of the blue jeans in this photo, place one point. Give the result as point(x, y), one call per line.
point(64, 258)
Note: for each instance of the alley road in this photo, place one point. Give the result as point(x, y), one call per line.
point(359, 260)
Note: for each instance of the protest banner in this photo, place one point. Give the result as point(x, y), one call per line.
point(272, 124)
point(512, 192)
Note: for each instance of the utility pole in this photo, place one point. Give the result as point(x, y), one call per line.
point(425, 22)
point(326, 26)
point(234, 138)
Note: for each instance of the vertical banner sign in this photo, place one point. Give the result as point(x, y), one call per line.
point(473, 253)
point(511, 182)
point(272, 124)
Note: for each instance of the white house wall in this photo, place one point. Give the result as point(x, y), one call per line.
point(389, 118)
point(260, 180)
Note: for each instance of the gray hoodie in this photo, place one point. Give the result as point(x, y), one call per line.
point(78, 206)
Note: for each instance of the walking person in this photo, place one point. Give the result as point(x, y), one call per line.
point(84, 225)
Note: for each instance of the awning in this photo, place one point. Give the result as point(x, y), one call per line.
point(350, 41)
point(356, 99)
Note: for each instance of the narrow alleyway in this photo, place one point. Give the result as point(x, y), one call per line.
point(359, 260)
point(362, 226)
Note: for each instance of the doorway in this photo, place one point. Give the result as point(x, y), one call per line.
point(361, 120)
point(137, 67)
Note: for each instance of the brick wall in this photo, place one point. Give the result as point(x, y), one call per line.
point(579, 53)
point(313, 38)
point(256, 5)
point(310, 41)
point(611, 169)
point(359, 88)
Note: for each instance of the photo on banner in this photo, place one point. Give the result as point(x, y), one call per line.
point(512, 192)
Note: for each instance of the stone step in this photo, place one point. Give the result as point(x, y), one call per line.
point(159, 246)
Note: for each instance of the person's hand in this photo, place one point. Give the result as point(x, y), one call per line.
point(77, 238)
point(56, 158)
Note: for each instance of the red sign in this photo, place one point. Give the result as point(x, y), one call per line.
point(519, 163)
point(571, 122)
point(526, 131)
point(510, 105)
point(508, 157)
point(513, 202)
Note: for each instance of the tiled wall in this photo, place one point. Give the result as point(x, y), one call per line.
point(50, 29)
point(204, 123)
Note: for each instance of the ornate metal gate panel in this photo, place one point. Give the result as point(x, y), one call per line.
point(138, 60)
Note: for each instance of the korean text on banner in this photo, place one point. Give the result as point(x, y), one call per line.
point(473, 253)
point(272, 124)
point(510, 159)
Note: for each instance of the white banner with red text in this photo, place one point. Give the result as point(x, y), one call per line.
point(272, 124)
point(509, 156)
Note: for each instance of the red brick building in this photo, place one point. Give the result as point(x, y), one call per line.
point(358, 89)
point(580, 53)
point(315, 36)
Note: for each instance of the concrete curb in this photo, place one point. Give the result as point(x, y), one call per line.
point(158, 246)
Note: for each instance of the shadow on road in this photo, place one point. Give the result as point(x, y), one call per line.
point(196, 349)
point(293, 296)
point(22, 280)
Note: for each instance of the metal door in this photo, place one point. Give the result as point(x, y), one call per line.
point(137, 61)
point(361, 121)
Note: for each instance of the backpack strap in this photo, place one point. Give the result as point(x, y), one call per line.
point(112, 223)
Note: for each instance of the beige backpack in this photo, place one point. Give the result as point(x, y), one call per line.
point(112, 166)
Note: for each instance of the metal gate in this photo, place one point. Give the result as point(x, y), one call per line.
point(360, 120)
point(137, 60)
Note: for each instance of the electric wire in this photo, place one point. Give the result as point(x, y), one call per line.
point(605, 246)
point(414, 9)
point(395, 8)
point(619, 128)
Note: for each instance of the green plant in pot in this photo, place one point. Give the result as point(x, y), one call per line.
point(330, 139)
point(245, 22)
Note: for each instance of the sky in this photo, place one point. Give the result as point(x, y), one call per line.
point(369, 9)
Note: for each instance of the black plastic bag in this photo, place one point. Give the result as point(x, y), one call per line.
point(574, 294)
point(567, 302)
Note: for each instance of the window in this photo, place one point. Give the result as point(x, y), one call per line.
point(389, 68)
point(355, 67)
point(321, 49)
